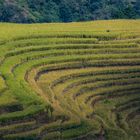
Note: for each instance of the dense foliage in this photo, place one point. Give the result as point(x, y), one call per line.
point(67, 10)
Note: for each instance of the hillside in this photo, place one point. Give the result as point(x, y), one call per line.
point(74, 81)
point(30, 11)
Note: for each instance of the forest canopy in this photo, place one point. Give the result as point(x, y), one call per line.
point(31, 11)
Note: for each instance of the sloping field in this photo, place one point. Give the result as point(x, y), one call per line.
point(74, 81)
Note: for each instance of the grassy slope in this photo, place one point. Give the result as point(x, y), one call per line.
point(21, 53)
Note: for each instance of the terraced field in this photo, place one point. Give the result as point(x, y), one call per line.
point(74, 81)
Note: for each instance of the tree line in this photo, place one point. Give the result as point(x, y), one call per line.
point(31, 11)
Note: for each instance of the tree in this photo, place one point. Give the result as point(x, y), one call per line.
point(65, 11)
point(11, 12)
point(51, 12)
point(137, 7)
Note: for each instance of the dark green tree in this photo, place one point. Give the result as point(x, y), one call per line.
point(137, 8)
point(27, 11)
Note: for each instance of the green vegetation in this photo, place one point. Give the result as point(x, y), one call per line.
point(30, 11)
point(70, 81)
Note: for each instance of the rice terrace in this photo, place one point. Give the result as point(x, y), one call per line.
point(70, 81)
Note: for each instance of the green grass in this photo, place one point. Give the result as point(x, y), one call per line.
point(70, 81)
